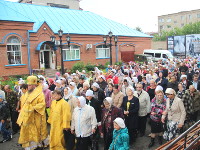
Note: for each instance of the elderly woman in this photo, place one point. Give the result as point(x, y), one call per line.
point(158, 106)
point(175, 112)
point(181, 91)
point(184, 81)
point(72, 101)
point(51, 84)
point(70, 98)
point(102, 82)
point(59, 87)
point(83, 124)
point(125, 85)
point(162, 81)
point(130, 107)
point(109, 90)
point(120, 136)
point(83, 90)
point(109, 114)
point(151, 89)
point(98, 93)
point(72, 86)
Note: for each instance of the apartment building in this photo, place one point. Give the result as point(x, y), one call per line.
point(170, 21)
point(69, 4)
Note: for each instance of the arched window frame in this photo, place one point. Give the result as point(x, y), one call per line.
point(102, 52)
point(14, 53)
point(71, 53)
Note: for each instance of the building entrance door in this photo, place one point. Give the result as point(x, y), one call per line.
point(47, 57)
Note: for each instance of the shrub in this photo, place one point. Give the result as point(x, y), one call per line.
point(106, 64)
point(89, 67)
point(119, 63)
point(78, 66)
point(100, 66)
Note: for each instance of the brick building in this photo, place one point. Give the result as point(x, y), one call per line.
point(25, 32)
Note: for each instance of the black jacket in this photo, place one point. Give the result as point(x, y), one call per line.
point(103, 85)
point(163, 83)
point(4, 111)
point(183, 68)
point(100, 96)
point(97, 107)
point(132, 118)
point(198, 84)
point(173, 85)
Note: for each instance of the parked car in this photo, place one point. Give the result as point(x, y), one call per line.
point(142, 58)
point(159, 54)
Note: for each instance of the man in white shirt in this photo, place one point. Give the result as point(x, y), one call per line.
point(83, 124)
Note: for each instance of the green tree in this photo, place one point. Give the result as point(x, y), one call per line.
point(138, 29)
point(192, 28)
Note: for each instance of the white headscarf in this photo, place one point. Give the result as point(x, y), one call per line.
point(89, 93)
point(170, 91)
point(159, 88)
point(58, 81)
point(120, 122)
point(96, 85)
point(132, 89)
point(183, 76)
point(69, 93)
point(148, 78)
point(82, 101)
point(96, 70)
point(135, 80)
point(21, 81)
point(109, 100)
point(45, 86)
point(73, 84)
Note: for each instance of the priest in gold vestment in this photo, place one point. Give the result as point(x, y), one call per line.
point(32, 117)
point(60, 117)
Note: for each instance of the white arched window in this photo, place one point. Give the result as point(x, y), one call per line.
point(71, 53)
point(102, 51)
point(14, 50)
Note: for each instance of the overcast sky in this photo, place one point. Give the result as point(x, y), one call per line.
point(137, 13)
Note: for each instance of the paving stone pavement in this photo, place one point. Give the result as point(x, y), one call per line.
point(140, 144)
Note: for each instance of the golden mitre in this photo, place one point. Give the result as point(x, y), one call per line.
point(32, 80)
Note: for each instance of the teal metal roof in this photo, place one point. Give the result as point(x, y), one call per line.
point(71, 21)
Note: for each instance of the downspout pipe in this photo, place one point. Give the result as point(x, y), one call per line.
point(29, 52)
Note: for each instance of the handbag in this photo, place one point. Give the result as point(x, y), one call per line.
point(94, 141)
point(165, 123)
point(69, 139)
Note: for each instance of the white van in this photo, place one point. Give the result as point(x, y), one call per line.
point(159, 54)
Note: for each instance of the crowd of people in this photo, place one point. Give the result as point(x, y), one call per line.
point(115, 105)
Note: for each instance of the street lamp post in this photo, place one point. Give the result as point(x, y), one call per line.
point(60, 34)
point(110, 35)
point(68, 38)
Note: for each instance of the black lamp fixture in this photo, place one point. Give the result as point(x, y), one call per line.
point(110, 35)
point(116, 40)
point(104, 40)
point(60, 32)
point(68, 38)
point(53, 39)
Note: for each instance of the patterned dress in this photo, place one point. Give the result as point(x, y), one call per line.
point(158, 108)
